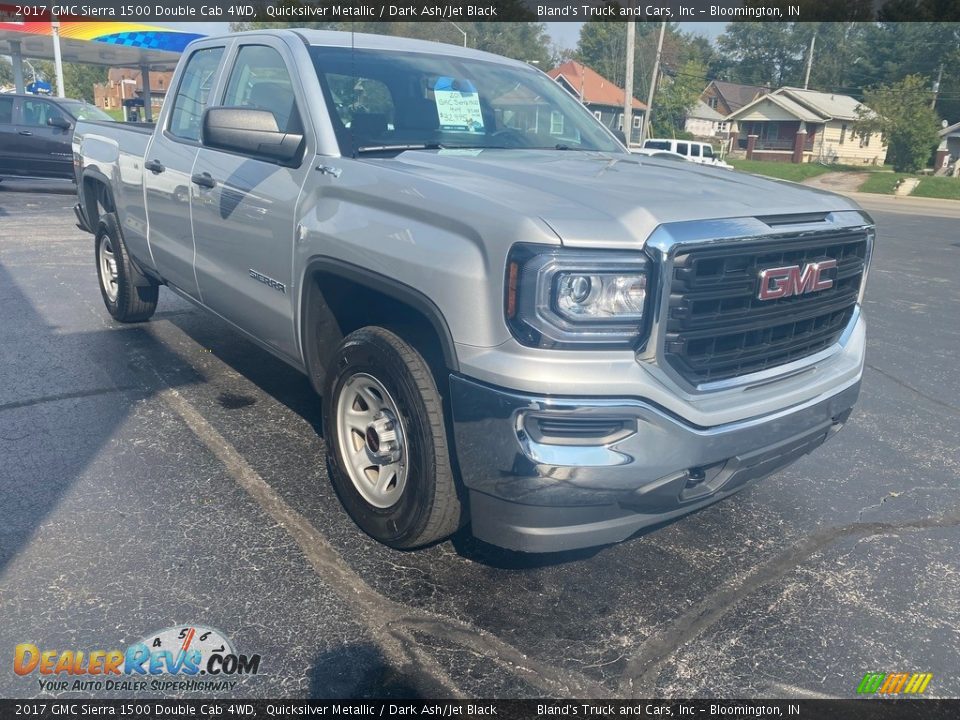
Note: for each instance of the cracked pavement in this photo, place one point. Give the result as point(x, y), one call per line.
point(172, 473)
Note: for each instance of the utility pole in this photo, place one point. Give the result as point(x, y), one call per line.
point(628, 83)
point(653, 85)
point(57, 60)
point(806, 78)
point(936, 88)
point(462, 31)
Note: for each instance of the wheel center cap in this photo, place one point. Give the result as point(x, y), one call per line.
point(382, 440)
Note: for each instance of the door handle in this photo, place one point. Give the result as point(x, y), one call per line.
point(26, 132)
point(204, 180)
point(154, 166)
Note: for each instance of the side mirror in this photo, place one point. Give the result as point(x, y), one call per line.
point(250, 132)
point(59, 122)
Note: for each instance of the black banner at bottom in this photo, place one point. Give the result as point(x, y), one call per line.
point(866, 709)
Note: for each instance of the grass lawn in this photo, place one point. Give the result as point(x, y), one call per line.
point(883, 183)
point(794, 173)
point(781, 170)
point(938, 187)
point(116, 114)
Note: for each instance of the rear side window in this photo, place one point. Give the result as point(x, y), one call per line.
point(260, 80)
point(193, 94)
point(683, 148)
point(695, 150)
point(6, 110)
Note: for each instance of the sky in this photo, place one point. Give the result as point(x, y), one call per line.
point(564, 34)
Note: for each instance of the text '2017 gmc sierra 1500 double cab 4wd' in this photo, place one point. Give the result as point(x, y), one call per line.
point(511, 321)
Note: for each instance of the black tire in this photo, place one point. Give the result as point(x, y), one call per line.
point(429, 508)
point(132, 303)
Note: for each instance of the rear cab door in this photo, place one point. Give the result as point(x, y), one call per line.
point(168, 166)
point(245, 217)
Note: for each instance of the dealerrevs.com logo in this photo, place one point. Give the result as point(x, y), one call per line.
point(188, 658)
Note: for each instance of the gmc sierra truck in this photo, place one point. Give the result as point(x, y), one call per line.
point(512, 322)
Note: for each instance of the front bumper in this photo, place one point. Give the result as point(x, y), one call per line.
point(547, 474)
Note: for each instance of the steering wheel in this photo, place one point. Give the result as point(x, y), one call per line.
point(510, 137)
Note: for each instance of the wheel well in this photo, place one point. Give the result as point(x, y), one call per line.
point(335, 306)
point(96, 195)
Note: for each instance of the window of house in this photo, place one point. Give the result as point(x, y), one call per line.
point(598, 115)
point(843, 133)
point(712, 102)
point(637, 121)
point(865, 139)
point(556, 122)
point(620, 121)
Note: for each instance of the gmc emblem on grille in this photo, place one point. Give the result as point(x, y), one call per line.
point(781, 282)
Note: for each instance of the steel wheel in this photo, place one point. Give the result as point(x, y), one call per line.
point(372, 441)
point(108, 269)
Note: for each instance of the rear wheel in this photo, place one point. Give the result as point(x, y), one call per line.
point(125, 301)
point(387, 444)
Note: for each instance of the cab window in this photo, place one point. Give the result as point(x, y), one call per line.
point(6, 110)
point(193, 93)
point(36, 113)
point(260, 80)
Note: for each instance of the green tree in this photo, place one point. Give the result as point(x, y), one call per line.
point(901, 113)
point(78, 78)
point(6, 72)
point(676, 95)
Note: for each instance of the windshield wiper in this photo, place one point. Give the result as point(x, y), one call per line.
point(397, 148)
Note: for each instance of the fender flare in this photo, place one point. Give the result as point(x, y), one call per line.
point(378, 283)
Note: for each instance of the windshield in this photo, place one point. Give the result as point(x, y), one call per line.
point(85, 111)
point(389, 101)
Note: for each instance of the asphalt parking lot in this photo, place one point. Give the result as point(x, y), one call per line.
point(172, 473)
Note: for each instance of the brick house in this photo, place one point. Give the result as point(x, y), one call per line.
point(126, 84)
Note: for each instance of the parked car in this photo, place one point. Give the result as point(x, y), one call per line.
point(662, 154)
point(511, 322)
point(36, 134)
point(698, 152)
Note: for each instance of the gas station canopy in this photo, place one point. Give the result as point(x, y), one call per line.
point(116, 44)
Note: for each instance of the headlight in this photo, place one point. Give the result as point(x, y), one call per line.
point(559, 297)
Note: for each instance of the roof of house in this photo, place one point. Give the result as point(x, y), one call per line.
point(736, 95)
point(593, 88)
point(702, 111)
point(807, 105)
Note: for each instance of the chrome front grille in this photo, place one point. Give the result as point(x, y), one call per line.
point(714, 325)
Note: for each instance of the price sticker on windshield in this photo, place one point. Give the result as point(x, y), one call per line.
point(458, 105)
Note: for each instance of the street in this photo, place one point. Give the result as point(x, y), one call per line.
point(171, 474)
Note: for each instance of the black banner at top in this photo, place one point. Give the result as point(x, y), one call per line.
point(305, 11)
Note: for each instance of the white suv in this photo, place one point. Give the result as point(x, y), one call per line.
point(697, 152)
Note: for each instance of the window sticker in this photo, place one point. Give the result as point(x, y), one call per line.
point(458, 105)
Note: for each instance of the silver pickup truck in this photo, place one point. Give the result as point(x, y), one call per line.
point(512, 321)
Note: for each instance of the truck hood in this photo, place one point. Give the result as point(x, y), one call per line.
point(591, 198)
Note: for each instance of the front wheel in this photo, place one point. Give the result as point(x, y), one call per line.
point(387, 443)
point(125, 300)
